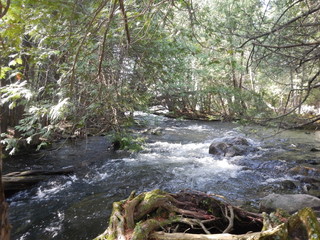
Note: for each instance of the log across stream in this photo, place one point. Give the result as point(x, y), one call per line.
point(17, 181)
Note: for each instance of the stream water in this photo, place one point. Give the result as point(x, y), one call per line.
point(78, 206)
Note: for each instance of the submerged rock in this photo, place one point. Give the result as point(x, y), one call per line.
point(311, 186)
point(315, 149)
point(157, 131)
point(305, 171)
point(229, 147)
point(288, 184)
point(288, 202)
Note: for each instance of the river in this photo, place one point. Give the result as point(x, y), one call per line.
point(78, 206)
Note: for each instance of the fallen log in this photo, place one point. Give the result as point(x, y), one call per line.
point(193, 215)
point(18, 181)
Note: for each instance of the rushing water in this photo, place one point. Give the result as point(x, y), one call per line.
point(78, 206)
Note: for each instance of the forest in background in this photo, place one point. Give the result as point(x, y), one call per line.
point(78, 67)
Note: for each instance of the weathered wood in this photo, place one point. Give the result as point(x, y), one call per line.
point(18, 181)
point(188, 236)
point(40, 172)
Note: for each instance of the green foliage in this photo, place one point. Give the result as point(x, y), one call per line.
point(15, 93)
point(11, 144)
point(128, 141)
point(81, 62)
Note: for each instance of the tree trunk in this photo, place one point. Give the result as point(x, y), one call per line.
point(4, 222)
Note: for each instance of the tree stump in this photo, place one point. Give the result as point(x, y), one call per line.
point(189, 215)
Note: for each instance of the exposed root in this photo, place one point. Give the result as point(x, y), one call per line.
point(230, 218)
point(193, 215)
point(190, 212)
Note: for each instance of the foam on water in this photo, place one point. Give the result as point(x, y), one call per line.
point(52, 188)
point(190, 159)
point(278, 179)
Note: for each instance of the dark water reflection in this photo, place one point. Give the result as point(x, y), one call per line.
point(78, 206)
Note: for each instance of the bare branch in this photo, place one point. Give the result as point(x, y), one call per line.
point(287, 46)
point(73, 69)
point(125, 20)
point(284, 12)
point(276, 29)
point(105, 37)
point(308, 89)
point(4, 9)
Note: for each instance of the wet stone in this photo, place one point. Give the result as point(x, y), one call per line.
point(288, 184)
point(315, 149)
point(230, 147)
point(305, 171)
point(288, 202)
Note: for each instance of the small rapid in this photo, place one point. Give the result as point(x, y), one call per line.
point(78, 206)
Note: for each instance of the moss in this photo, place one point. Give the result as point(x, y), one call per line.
point(155, 194)
point(140, 232)
point(302, 225)
point(150, 202)
point(310, 222)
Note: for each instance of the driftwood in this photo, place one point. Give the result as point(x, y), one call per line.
point(18, 181)
point(195, 215)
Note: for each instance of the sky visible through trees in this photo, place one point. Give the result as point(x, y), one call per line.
point(76, 65)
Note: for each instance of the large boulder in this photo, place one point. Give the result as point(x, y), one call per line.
point(288, 202)
point(229, 147)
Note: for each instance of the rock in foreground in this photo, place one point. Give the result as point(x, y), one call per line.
point(288, 202)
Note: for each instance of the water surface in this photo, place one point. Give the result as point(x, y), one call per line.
point(78, 206)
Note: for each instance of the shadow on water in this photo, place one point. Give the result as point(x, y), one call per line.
point(78, 206)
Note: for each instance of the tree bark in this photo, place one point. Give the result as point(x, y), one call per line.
point(4, 222)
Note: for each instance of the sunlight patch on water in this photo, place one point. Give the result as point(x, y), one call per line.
point(194, 127)
point(151, 118)
point(179, 148)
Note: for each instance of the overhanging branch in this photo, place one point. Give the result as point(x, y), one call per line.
point(288, 46)
point(276, 29)
point(4, 9)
